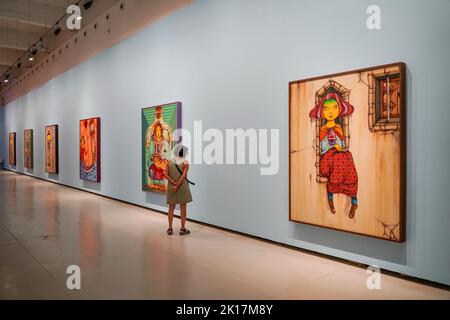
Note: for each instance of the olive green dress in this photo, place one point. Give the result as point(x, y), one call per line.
point(183, 194)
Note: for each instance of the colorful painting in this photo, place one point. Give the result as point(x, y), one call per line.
point(347, 149)
point(12, 148)
point(51, 149)
point(28, 148)
point(158, 125)
point(90, 149)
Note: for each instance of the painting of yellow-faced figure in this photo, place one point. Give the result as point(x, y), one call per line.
point(347, 147)
point(158, 126)
point(51, 149)
point(28, 148)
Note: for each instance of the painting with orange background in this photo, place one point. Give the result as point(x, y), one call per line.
point(51, 149)
point(12, 148)
point(90, 149)
point(347, 151)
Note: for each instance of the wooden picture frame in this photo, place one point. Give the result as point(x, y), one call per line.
point(367, 175)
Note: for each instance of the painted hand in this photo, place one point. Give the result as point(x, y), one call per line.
point(338, 147)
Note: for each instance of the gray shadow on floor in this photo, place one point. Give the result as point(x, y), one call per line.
point(29, 171)
point(351, 243)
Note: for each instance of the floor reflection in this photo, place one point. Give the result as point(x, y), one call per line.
point(90, 234)
point(52, 210)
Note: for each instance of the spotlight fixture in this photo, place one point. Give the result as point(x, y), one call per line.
point(79, 18)
point(40, 46)
point(19, 64)
point(87, 4)
point(6, 80)
point(30, 56)
point(34, 51)
point(56, 29)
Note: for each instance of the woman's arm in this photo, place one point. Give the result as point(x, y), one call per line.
point(166, 175)
point(183, 176)
point(185, 171)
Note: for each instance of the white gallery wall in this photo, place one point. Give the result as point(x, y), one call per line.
point(229, 63)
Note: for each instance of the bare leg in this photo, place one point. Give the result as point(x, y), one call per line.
point(183, 230)
point(353, 208)
point(352, 211)
point(330, 202)
point(170, 215)
point(183, 215)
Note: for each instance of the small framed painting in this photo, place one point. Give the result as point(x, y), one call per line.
point(28, 148)
point(51, 149)
point(90, 149)
point(12, 148)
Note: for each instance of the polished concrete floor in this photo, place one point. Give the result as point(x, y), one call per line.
point(123, 252)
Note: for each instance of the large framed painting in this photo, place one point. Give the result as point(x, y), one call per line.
point(158, 126)
point(347, 151)
point(51, 149)
point(12, 148)
point(90, 149)
point(28, 148)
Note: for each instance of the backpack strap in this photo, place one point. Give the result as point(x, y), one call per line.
point(181, 172)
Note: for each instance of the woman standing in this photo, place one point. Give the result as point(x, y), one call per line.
point(178, 191)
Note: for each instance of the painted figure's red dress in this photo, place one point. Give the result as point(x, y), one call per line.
point(337, 166)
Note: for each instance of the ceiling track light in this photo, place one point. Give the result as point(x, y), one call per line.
point(56, 29)
point(87, 4)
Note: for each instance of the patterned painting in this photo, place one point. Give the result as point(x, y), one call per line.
point(158, 125)
point(12, 148)
point(28, 148)
point(90, 149)
point(347, 149)
point(51, 149)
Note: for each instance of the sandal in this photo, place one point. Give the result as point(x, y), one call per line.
point(170, 231)
point(184, 231)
